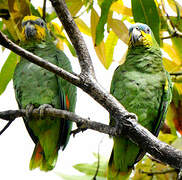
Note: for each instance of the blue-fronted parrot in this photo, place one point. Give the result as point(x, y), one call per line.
point(35, 86)
point(143, 87)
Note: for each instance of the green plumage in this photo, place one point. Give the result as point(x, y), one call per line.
point(140, 86)
point(37, 86)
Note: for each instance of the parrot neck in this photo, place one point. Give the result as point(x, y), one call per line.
point(148, 60)
point(34, 45)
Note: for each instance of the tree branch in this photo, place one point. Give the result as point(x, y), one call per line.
point(75, 37)
point(132, 129)
point(4, 41)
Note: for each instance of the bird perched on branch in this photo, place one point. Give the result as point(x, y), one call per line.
point(35, 87)
point(143, 87)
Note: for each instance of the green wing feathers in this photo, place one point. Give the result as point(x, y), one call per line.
point(37, 86)
point(143, 87)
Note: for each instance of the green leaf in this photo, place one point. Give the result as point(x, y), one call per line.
point(146, 11)
point(7, 71)
point(105, 6)
point(34, 11)
point(73, 177)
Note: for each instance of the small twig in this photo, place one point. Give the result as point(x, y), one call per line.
point(98, 162)
point(174, 32)
point(157, 172)
point(6, 127)
point(44, 10)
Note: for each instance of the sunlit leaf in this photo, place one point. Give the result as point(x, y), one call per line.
point(119, 7)
point(172, 53)
point(74, 6)
point(169, 118)
point(58, 32)
point(170, 65)
point(7, 71)
point(83, 27)
point(146, 11)
point(174, 5)
point(120, 29)
point(17, 9)
point(148, 166)
point(74, 177)
point(105, 6)
point(110, 44)
point(177, 42)
point(167, 138)
point(34, 11)
point(100, 49)
point(178, 143)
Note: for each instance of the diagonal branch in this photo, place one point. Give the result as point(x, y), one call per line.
point(4, 41)
point(75, 37)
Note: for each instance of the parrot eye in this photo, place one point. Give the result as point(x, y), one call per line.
point(42, 24)
point(148, 30)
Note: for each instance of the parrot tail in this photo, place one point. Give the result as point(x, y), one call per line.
point(115, 174)
point(39, 160)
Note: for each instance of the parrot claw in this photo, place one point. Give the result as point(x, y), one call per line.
point(29, 109)
point(131, 116)
point(81, 128)
point(118, 124)
point(42, 109)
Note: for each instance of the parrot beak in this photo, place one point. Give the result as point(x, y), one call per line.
point(30, 30)
point(136, 36)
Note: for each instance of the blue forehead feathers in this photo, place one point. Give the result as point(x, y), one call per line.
point(140, 26)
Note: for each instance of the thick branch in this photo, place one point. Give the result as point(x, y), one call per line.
point(10, 115)
point(4, 41)
point(147, 141)
point(75, 37)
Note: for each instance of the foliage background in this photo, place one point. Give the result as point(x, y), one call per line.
point(104, 25)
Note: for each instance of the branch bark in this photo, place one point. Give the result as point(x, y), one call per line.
point(146, 140)
point(75, 37)
point(87, 82)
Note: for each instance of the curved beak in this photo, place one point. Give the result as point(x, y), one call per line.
point(136, 35)
point(30, 30)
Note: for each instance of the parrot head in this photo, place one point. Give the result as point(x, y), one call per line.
point(34, 28)
point(141, 35)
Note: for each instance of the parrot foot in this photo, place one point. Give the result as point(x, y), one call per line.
point(81, 128)
point(42, 109)
point(119, 125)
point(29, 109)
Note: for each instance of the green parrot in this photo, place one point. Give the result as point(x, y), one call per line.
point(38, 88)
point(143, 87)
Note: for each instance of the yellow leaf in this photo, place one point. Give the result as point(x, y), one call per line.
point(100, 49)
point(120, 29)
point(83, 27)
point(74, 6)
point(170, 66)
point(17, 9)
point(119, 7)
point(173, 4)
point(59, 44)
point(110, 44)
point(172, 53)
